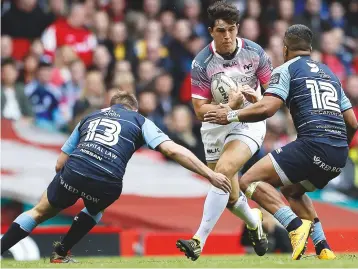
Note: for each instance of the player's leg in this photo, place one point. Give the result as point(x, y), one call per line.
point(259, 184)
point(27, 221)
point(302, 205)
point(97, 196)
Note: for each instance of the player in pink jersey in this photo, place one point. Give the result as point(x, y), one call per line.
point(229, 147)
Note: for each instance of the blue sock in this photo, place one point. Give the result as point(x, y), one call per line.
point(287, 218)
point(96, 218)
point(318, 237)
point(26, 222)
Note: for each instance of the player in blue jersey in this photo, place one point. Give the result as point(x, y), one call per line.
point(91, 166)
point(325, 124)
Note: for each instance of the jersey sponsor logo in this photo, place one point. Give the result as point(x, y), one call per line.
point(275, 79)
point(233, 63)
point(212, 151)
point(68, 187)
point(317, 161)
point(245, 79)
point(248, 66)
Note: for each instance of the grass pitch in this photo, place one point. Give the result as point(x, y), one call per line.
point(246, 261)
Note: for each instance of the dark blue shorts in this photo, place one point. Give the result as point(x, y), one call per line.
point(311, 163)
point(68, 186)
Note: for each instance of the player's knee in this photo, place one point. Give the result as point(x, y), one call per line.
point(290, 192)
point(225, 169)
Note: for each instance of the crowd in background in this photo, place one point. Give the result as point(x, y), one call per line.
point(61, 59)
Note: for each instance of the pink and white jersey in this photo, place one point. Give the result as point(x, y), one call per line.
point(251, 65)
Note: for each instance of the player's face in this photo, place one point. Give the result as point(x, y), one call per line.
point(224, 35)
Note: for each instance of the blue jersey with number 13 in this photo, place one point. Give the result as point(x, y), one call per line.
point(104, 141)
point(315, 98)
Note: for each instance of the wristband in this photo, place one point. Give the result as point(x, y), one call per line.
point(233, 116)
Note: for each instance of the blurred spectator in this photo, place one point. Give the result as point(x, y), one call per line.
point(351, 89)
point(311, 18)
point(24, 19)
point(71, 32)
point(182, 131)
point(192, 9)
point(163, 85)
point(45, 98)
point(37, 49)
point(146, 73)
point(6, 47)
point(120, 47)
point(352, 15)
point(151, 8)
point(147, 101)
point(102, 62)
point(336, 16)
point(116, 10)
point(253, 10)
point(124, 81)
point(250, 29)
point(61, 73)
point(122, 66)
point(167, 20)
point(275, 50)
point(57, 8)
point(330, 45)
point(101, 26)
point(286, 10)
point(137, 24)
point(71, 90)
point(279, 28)
point(28, 72)
point(91, 97)
point(14, 103)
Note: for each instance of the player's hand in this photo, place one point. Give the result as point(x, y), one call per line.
point(236, 98)
point(218, 116)
point(250, 94)
point(220, 181)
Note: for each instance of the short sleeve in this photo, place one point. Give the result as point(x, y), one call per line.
point(152, 135)
point(200, 82)
point(279, 84)
point(72, 141)
point(264, 70)
point(345, 103)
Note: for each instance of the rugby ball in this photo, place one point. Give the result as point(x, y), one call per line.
point(221, 86)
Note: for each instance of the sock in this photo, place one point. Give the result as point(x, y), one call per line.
point(214, 206)
point(287, 218)
point(19, 229)
point(318, 237)
point(81, 225)
point(242, 210)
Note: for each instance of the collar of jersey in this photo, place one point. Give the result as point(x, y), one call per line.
point(240, 44)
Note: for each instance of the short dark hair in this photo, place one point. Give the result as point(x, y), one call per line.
point(126, 99)
point(224, 11)
point(8, 61)
point(298, 37)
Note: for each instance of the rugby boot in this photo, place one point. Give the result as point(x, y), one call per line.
point(191, 247)
point(56, 258)
point(326, 254)
point(257, 236)
point(299, 238)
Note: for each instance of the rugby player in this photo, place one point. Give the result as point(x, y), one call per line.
point(228, 148)
point(325, 123)
point(91, 166)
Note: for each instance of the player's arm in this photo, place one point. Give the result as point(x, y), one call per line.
point(68, 148)
point(156, 139)
point(351, 124)
point(274, 97)
point(202, 106)
point(349, 117)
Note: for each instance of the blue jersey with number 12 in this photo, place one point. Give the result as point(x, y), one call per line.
point(315, 98)
point(104, 141)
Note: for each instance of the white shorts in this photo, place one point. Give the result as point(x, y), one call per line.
point(215, 137)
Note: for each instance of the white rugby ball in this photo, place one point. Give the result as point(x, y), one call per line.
point(221, 86)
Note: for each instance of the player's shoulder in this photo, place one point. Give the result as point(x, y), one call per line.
point(251, 46)
point(203, 57)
